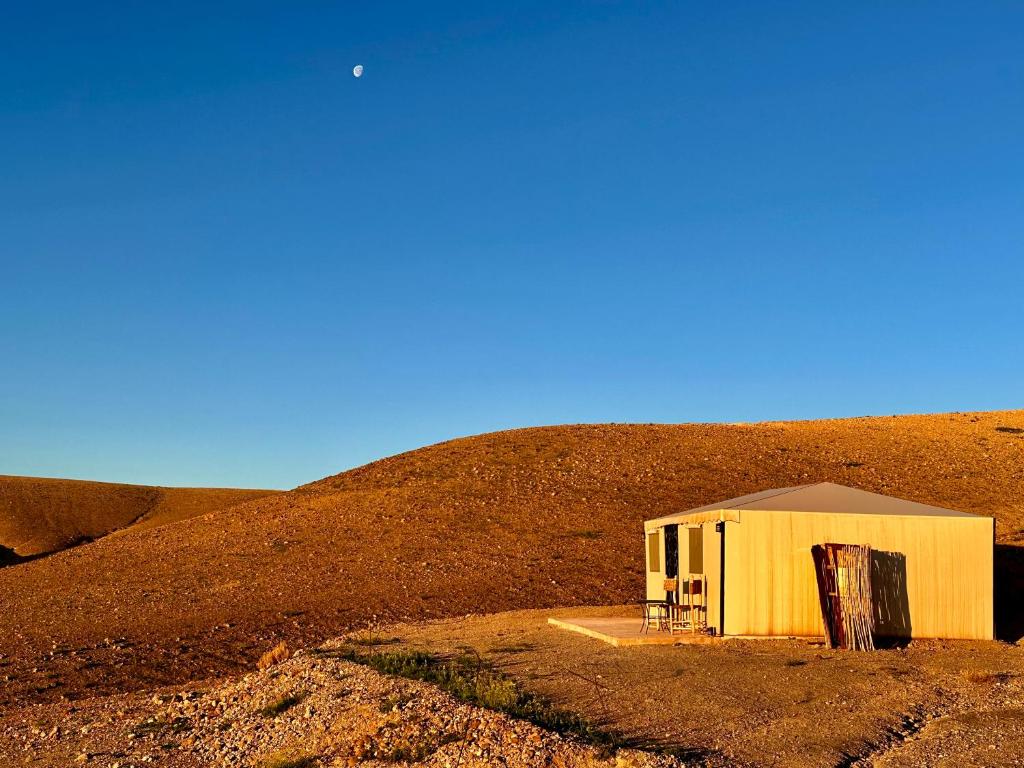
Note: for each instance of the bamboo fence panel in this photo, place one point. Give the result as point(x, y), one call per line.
point(844, 591)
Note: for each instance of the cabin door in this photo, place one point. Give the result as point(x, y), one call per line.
point(671, 551)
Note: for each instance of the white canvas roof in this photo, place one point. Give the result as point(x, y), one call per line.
point(825, 498)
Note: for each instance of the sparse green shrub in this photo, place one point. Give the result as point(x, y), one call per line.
point(283, 704)
point(407, 749)
point(585, 534)
point(157, 726)
point(470, 680)
point(496, 692)
point(280, 760)
point(398, 700)
point(372, 640)
point(512, 648)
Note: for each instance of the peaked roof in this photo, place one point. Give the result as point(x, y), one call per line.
point(826, 498)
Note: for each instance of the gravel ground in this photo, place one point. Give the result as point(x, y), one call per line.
point(993, 737)
point(327, 711)
point(740, 703)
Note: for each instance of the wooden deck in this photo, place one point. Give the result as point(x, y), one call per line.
point(625, 631)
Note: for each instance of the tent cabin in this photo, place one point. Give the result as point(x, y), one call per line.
point(931, 568)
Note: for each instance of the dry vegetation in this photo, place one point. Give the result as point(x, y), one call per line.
point(771, 702)
point(507, 689)
point(275, 655)
point(312, 710)
point(527, 518)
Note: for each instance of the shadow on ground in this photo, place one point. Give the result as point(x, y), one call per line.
point(1009, 568)
point(8, 557)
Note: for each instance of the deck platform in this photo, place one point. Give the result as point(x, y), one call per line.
point(624, 631)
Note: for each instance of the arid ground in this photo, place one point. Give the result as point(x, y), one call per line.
point(734, 703)
point(770, 702)
point(526, 519)
point(40, 516)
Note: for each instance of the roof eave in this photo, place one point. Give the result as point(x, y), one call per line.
point(693, 518)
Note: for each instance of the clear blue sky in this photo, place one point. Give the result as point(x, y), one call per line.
point(226, 261)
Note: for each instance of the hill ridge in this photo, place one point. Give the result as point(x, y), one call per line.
point(528, 518)
point(42, 515)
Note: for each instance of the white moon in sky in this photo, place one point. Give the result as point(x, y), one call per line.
point(357, 70)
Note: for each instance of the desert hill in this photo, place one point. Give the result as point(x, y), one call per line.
point(524, 518)
point(42, 515)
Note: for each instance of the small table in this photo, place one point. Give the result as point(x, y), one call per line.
point(656, 611)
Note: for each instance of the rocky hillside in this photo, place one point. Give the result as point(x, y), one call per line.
point(40, 515)
point(526, 518)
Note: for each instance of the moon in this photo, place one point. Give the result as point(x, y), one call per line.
point(357, 70)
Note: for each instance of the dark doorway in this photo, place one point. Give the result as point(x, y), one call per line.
point(671, 551)
point(890, 603)
point(1009, 586)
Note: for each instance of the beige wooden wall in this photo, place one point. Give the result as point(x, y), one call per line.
point(771, 587)
point(656, 577)
point(713, 570)
point(711, 566)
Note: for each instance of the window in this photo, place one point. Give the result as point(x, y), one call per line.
point(696, 550)
point(654, 552)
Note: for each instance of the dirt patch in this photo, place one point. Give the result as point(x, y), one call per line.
point(770, 702)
